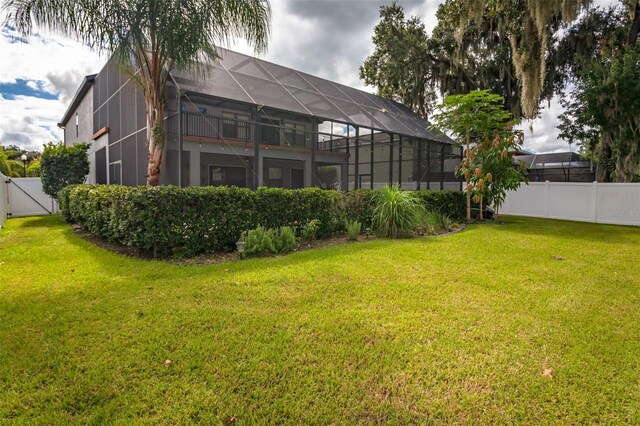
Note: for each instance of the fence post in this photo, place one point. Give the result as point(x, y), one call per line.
point(594, 202)
point(546, 197)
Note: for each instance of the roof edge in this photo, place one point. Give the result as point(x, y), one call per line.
point(82, 90)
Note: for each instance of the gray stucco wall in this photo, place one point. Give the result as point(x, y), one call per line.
point(84, 114)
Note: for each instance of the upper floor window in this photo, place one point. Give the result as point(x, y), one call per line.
point(235, 126)
point(295, 134)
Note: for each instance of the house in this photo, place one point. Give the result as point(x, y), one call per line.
point(251, 123)
point(557, 167)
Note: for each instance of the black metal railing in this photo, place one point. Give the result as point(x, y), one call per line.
point(215, 127)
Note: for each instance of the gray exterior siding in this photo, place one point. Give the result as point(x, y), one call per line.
point(83, 131)
point(218, 132)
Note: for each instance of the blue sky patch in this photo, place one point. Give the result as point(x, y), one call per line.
point(22, 88)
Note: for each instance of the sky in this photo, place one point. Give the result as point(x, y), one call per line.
point(326, 38)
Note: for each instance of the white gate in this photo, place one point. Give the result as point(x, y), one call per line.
point(24, 197)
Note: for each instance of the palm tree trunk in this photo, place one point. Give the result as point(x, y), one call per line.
point(155, 136)
point(481, 199)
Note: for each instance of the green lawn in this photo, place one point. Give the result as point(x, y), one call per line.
point(455, 329)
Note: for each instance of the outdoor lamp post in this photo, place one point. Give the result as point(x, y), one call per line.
point(240, 247)
point(24, 163)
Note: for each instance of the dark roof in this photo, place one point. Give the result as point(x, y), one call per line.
point(82, 90)
point(552, 160)
point(247, 79)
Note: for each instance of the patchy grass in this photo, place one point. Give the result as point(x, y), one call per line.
point(458, 329)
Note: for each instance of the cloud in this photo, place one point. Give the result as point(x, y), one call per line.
point(29, 121)
point(39, 76)
point(541, 134)
point(327, 38)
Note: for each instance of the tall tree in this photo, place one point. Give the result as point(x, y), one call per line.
point(530, 26)
point(151, 38)
point(410, 66)
point(399, 68)
point(598, 65)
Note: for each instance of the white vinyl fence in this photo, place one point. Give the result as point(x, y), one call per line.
point(614, 203)
point(24, 197)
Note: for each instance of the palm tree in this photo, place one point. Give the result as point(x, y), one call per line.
point(150, 38)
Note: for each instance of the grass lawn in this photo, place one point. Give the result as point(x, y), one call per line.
point(455, 329)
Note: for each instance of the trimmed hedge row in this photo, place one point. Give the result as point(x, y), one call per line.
point(168, 220)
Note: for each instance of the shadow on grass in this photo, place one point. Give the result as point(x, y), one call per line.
point(45, 221)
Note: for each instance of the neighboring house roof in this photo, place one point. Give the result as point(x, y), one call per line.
point(552, 160)
point(255, 81)
point(82, 90)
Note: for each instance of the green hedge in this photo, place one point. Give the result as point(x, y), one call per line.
point(359, 204)
point(168, 220)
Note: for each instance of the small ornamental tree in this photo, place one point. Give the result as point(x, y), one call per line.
point(479, 122)
point(63, 165)
point(491, 171)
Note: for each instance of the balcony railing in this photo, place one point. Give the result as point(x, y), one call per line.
point(215, 127)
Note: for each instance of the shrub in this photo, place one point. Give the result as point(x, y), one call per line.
point(258, 241)
point(263, 240)
point(172, 221)
point(358, 205)
point(353, 228)
point(175, 221)
point(397, 213)
point(63, 165)
point(309, 231)
point(33, 169)
point(451, 203)
point(284, 239)
point(438, 220)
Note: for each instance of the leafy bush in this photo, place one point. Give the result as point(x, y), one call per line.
point(397, 213)
point(173, 221)
point(263, 240)
point(284, 239)
point(353, 228)
point(63, 165)
point(309, 231)
point(451, 203)
point(358, 205)
point(258, 241)
point(187, 221)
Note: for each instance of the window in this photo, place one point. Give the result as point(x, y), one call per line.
point(235, 126)
point(228, 176)
point(115, 178)
point(274, 177)
point(269, 132)
point(77, 125)
point(295, 134)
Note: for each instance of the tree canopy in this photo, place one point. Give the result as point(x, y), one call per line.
point(150, 39)
point(63, 165)
point(479, 122)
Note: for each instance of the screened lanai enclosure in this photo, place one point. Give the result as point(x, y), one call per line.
point(557, 167)
point(250, 123)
